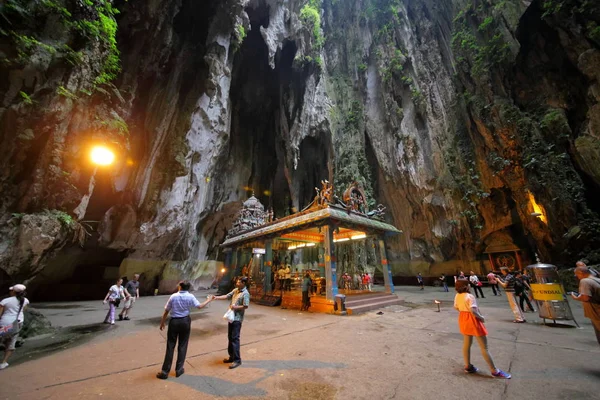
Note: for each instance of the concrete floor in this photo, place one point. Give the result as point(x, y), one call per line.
point(408, 352)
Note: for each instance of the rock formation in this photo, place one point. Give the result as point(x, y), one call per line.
point(462, 118)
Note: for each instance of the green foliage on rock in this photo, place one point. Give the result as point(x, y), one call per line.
point(91, 20)
point(310, 15)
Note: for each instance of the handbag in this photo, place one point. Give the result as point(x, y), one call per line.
point(12, 329)
point(229, 315)
point(479, 283)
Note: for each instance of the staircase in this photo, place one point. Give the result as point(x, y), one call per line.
point(366, 302)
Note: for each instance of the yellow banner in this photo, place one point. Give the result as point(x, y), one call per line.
point(547, 291)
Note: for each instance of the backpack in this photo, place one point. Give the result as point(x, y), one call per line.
point(519, 286)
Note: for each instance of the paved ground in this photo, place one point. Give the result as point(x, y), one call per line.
point(408, 352)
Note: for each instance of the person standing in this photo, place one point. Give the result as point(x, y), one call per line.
point(491, 277)
point(133, 288)
point(444, 283)
point(508, 283)
point(369, 280)
point(180, 324)
point(240, 300)
point(288, 277)
point(306, 285)
point(12, 309)
point(589, 295)
point(470, 323)
point(476, 284)
point(420, 281)
point(115, 293)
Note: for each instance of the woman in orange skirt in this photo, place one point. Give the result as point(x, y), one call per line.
point(470, 323)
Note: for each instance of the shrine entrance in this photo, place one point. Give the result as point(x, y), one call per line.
point(339, 247)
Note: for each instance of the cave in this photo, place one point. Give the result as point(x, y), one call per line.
point(262, 97)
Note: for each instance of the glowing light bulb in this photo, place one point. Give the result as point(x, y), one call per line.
point(102, 156)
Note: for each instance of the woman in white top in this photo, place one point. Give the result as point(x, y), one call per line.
point(114, 296)
point(12, 308)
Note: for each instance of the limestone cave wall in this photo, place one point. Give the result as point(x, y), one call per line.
point(463, 118)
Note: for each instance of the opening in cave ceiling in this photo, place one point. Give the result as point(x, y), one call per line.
point(266, 104)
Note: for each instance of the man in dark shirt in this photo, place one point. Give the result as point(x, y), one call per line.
point(133, 288)
point(508, 283)
point(180, 324)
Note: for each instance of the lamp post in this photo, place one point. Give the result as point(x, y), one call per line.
point(100, 156)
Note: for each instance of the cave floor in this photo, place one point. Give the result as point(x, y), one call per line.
point(408, 352)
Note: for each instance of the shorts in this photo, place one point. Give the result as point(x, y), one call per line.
point(10, 341)
point(129, 303)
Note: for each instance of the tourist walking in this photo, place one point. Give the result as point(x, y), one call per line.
point(420, 281)
point(589, 295)
point(491, 277)
point(470, 323)
point(508, 283)
point(306, 285)
point(521, 290)
point(444, 283)
point(476, 284)
point(12, 316)
point(114, 296)
point(240, 300)
point(133, 288)
point(180, 324)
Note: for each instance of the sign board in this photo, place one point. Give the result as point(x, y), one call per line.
point(258, 250)
point(547, 291)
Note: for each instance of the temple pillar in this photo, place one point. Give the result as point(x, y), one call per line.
point(385, 268)
point(330, 262)
point(268, 263)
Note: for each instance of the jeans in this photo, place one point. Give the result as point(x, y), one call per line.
point(495, 288)
point(179, 331)
point(305, 300)
point(524, 297)
point(233, 335)
point(475, 289)
point(110, 315)
point(445, 287)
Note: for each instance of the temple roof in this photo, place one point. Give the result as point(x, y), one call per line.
point(312, 218)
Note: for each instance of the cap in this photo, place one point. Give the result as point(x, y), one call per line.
point(18, 288)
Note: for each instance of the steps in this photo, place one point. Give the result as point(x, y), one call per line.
point(366, 302)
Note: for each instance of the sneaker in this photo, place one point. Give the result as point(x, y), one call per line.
point(501, 374)
point(235, 364)
point(471, 369)
point(112, 322)
point(3, 365)
point(126, 318)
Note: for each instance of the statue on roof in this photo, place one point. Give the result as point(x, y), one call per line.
point(355, 199)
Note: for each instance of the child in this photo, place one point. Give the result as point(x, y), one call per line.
point(470, 322)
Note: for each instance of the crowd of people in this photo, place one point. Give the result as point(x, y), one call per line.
point(470, 320)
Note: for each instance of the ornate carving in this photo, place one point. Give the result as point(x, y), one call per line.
point(355, 198)
point(325, 195)
point(250, 216)
point(377, 213)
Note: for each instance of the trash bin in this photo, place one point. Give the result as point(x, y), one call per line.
point(340, 303)
point(549, 293)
